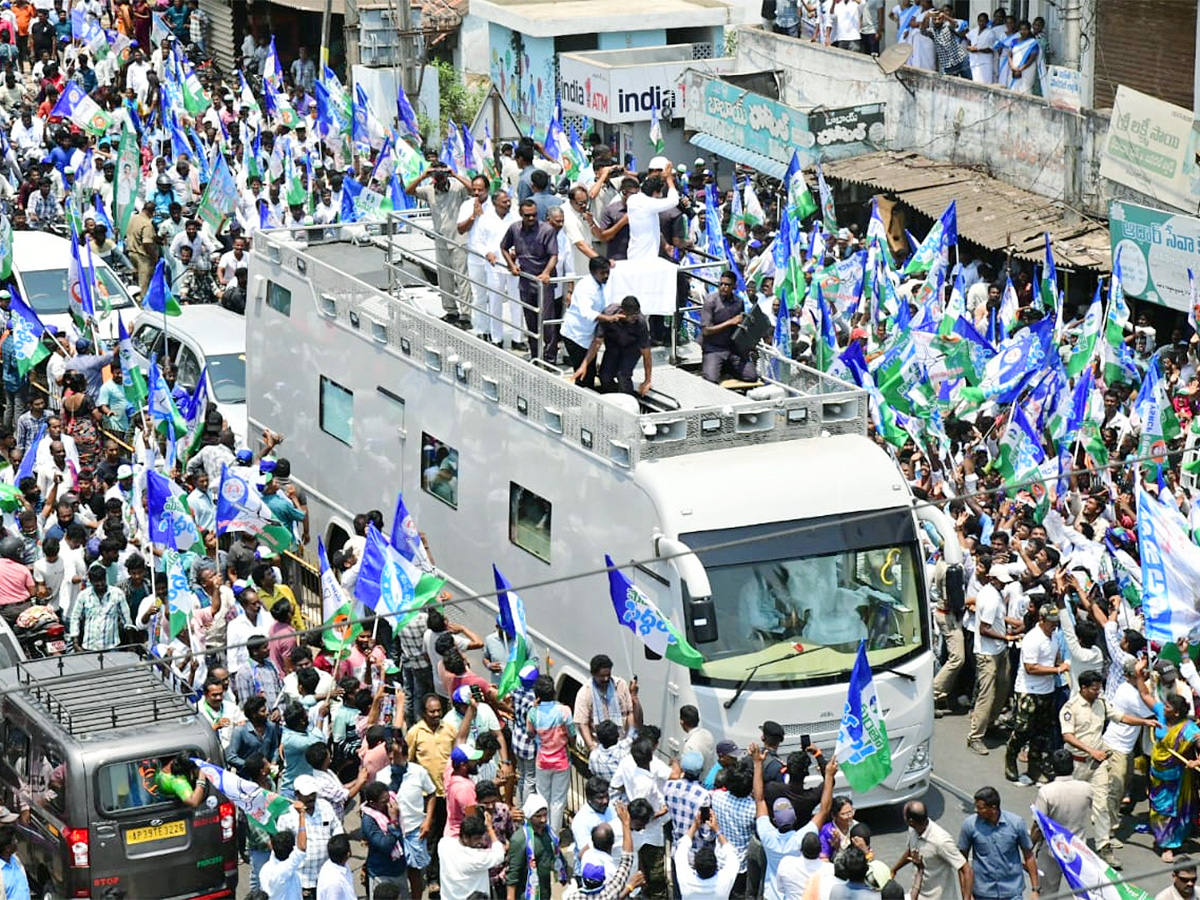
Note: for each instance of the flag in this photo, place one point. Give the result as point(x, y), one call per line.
point(828, 210)
point(162, 404)
point(1118, 360)
point(263, 808)
point(279, 108)
point(638, 613)
point(6, 248)
point(800, 202)
point(1170, 569)
point(27, 331)
point(1085, 346)
point(737, 219)
point(336, 607)
point(934, 250)
point(79, 285)
point(404, 591)
point(171, 524)
point(407, 116)
point(512, 620)
point(272, 70)
point(158, 297)
point(406, 539)
point(863, 752)
point(181, 602)
point(751, 206)
point(1085, 872)
point(82, 110)
point(1159, 424)
point(656, 138)
point(1019, 359)
point(220, 196)
point(826, 346)
point(1192, 307)
point(134, 381)
point(1049, 292)
point(1020, 458)
point(25, 469)
point(241, 508)
point(1010, 308)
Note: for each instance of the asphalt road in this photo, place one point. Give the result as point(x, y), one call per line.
point(958, 773)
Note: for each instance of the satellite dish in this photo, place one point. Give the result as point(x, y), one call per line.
point(891, 59)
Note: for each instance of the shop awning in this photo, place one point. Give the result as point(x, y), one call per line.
point(729, 150)
point(991, 213)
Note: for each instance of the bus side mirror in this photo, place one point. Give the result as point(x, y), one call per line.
point(956, 590)
point(702, 620)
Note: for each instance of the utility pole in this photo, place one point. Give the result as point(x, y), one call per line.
point(352, 35)
point(1072, 33)
point(323, 57)
point(407, 49)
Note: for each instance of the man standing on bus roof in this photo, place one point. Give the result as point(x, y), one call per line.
point(625, 336)
point(605, 698)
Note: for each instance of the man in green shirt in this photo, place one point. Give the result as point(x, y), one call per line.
point(283, 508)
point(113, 404)
point(545, 854)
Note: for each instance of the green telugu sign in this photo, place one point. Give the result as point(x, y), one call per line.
point(1156, 250)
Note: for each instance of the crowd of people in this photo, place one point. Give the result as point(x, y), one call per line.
point(997, 49)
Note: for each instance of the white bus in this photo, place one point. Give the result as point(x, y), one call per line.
point(772, 532)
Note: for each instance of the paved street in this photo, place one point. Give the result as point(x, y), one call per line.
point(958, 773)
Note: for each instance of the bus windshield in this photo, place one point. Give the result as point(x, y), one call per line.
point(774, 602)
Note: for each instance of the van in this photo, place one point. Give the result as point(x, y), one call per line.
point(83, 736)
point(203, 336)
point(40, 262)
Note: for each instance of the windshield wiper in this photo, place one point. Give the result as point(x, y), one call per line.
point(754, 669)
point(891, 671)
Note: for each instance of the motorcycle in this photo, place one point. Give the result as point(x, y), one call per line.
point(40, 633)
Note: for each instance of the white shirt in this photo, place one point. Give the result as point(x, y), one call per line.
point(415, 787)
point(280, 878)
point(237, 633)
point(644, 785)
point(1039, 650)
point(229, 264)
point(1125, 702)
point(989, 610)
point(474, 233)
point(644, 233)
point(465, 869)
point(335, 882)
point(848, 20)
point(795, 872)
point(587, 819)
point(52, 575)
point(983, 65)
point(692, 885)
point(490, 229)
point(291, 686)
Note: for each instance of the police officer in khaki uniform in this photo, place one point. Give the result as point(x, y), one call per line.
point(1082, 720)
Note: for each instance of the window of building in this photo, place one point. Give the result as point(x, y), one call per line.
point(279, 298)
point(529, 521)
point(393, 406)
point(439, 470)
point(337, 411)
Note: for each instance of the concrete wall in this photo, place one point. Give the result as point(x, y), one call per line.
point(1019, 139)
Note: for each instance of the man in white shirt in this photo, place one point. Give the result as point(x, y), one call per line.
point(230, 262)
point(279, 876)
point(471, 216)
point(1034, 721)
point(1130, 710)
point(981, 42)
point(252, 619)
point(586, 308)
point(336, 881)
point(991, 650)
point(596, 811)
point(847, 22)
point(711, 874)
point(503, 311)
point(466, 859)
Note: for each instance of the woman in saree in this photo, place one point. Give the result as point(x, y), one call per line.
point(1172, 785)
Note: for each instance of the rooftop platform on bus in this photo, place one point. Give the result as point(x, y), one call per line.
point(382, 282)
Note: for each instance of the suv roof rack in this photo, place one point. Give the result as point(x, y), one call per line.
point(66, 687)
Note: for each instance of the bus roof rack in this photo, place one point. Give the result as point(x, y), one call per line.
point(380, 299)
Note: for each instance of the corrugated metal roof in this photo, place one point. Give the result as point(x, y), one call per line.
point(991, 212)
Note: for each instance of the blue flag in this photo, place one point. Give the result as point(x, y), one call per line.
point(375, 556)
point(25, 469)
point(408, 118)
point(1019, 359)
point(406, 539)
point(637, 612)
point(863, 750)
point(350, 192)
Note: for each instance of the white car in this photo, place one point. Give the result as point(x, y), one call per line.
point(205, 335)
point(40, 262)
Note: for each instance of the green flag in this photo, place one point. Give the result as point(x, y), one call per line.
point(863, 749)
point(6, 248)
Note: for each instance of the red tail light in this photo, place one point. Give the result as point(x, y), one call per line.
point(78, 847)
point(228, 821)
point(55, 631)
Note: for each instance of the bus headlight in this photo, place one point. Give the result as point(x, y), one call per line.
point(919, 761)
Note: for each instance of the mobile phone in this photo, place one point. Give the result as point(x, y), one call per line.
point(477, 693)
point(805, 742)
point(705, 813)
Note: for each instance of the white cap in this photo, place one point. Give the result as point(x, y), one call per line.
point(659, 162)
point(1000, 572)
point(305, 785)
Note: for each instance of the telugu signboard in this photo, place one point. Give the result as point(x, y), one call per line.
point(625, 93)
point(1151, 147)
point(1063, 88)
point(771, 129)
point(1156, 250)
